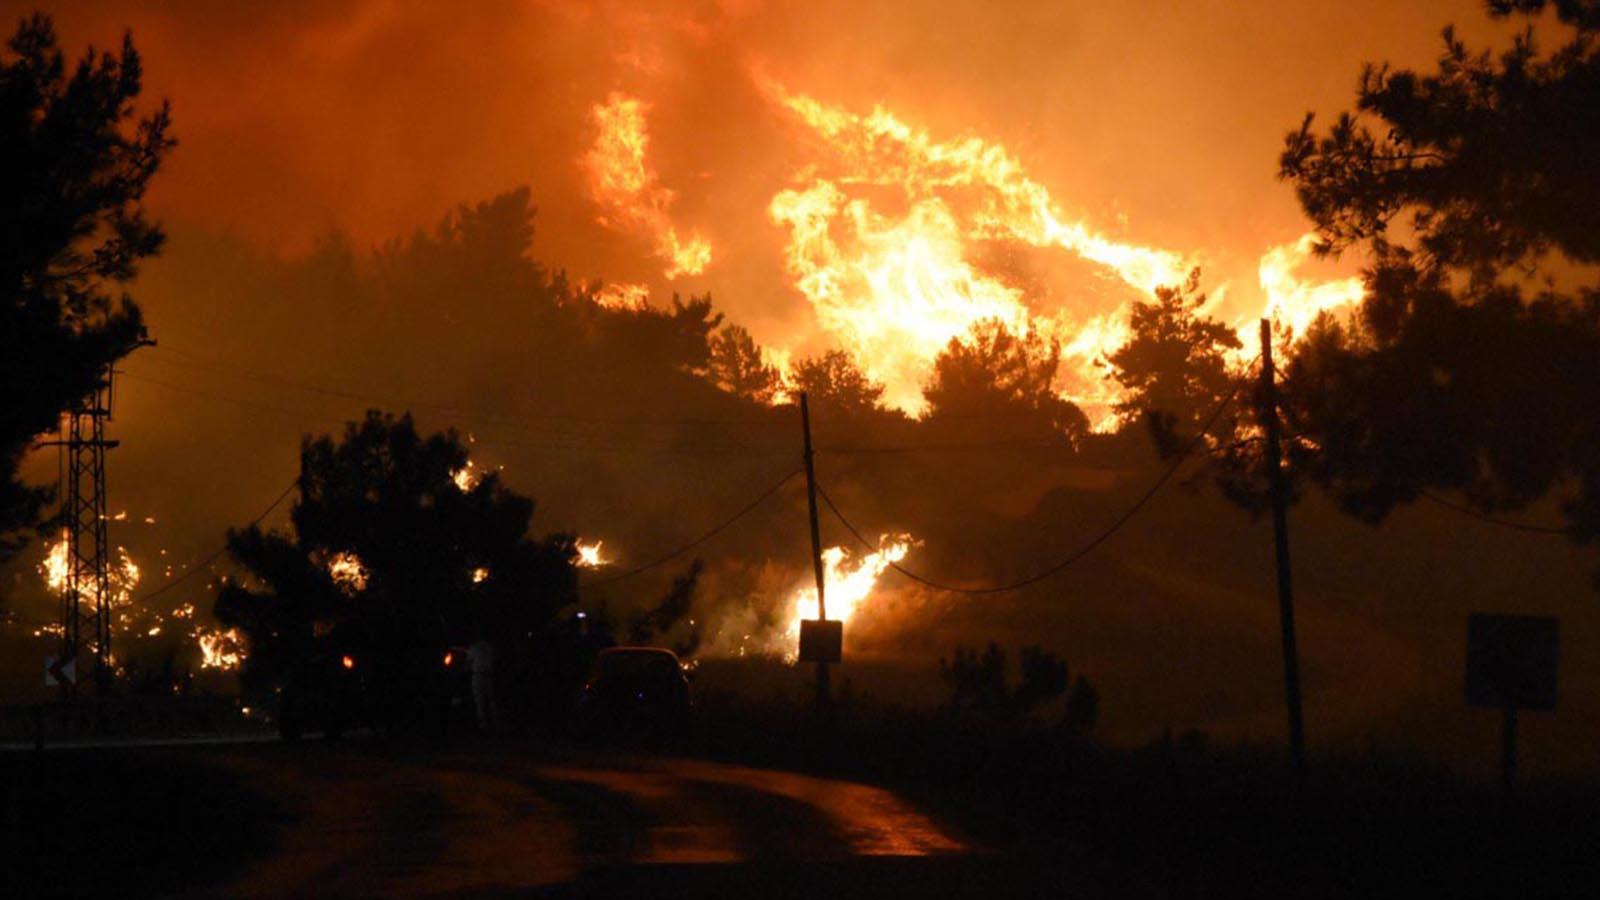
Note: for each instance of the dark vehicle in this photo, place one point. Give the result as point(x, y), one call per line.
point(637, 694)
point(323, 693)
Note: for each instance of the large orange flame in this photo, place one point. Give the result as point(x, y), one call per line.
point(623, 183)
point(849, 581)
point(896, 286)
point(891, 235)
point(1294, 302)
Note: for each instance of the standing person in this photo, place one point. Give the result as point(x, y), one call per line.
point(480, 661)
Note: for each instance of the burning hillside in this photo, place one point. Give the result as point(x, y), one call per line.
point(901, 241)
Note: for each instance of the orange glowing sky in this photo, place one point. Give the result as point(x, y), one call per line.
point(1159, 125)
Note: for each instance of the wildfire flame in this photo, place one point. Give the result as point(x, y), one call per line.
point(623, 183)
point(1295, 302)
point(54, 566)
point(901, 242)
point(849, 581)
point(895, 287)
point(122, 577)
point(589, 556)
point(895, 281)
point(622, 296)
point(466, 477)
point(221, 649)
point(348, 572)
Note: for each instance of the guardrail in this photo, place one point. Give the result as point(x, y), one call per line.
point(44, 724)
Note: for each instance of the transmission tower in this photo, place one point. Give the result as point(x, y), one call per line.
point(86, 589)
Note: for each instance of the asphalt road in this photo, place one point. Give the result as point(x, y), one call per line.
point(499, 820)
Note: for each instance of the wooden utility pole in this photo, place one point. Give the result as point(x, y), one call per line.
point(1280, 533)
point(823, 692)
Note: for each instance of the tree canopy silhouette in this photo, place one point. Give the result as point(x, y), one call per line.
point(1004, 377)
point(1174, 366)
point(833, 380)
point(1474, 362)
point(387, 539)
point(75, 161)
point(736, 366)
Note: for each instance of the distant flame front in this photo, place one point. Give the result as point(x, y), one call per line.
point(901, 242)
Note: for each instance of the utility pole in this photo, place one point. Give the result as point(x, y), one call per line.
point(1280, 533)
point(823, 691)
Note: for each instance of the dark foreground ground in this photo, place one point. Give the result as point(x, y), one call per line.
point(368, 817)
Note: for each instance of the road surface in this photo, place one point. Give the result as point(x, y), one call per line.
point(365, 821)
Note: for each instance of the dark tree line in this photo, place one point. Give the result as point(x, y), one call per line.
point(75, 160)
point(386, 545)
point(1473, 194)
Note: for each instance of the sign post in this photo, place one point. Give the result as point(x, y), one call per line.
point(60, 671)
point(1511, 666)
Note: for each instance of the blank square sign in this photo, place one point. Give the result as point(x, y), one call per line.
point(821, 640)
point(1511, 661)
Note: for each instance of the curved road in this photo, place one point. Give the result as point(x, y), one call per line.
point(493, 821)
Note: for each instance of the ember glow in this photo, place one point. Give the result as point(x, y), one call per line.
point(466, 477)
point(123, 576)
point(627, 189)
point(348, 572)
point(221, 649)
point(589, 555)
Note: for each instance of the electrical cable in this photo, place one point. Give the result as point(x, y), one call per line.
point(194, 569)
point(1492, 520)
point(748, 508)
point(219, 367)
point(556, 443)
point(1082, 551)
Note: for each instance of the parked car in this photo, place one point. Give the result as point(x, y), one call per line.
point(636, 694)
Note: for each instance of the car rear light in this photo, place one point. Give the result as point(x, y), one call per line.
point(349, 662)
point(449, 658)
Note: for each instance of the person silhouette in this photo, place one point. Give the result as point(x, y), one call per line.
point(480, 662)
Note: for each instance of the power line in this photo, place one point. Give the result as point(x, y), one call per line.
point(1492, 520)
point(194, 569)
point(748, 508)
point(464, 412)
point(556, 442)
point(1019, 444)
point(1082, 551)
point(299, 415)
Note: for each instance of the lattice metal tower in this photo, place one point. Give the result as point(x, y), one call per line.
point(86, 590)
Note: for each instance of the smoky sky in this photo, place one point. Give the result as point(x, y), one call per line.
point(1159, 123)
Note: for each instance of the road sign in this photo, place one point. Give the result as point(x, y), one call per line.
point(60, 671)
point(821, 640)
point(1511, 661)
